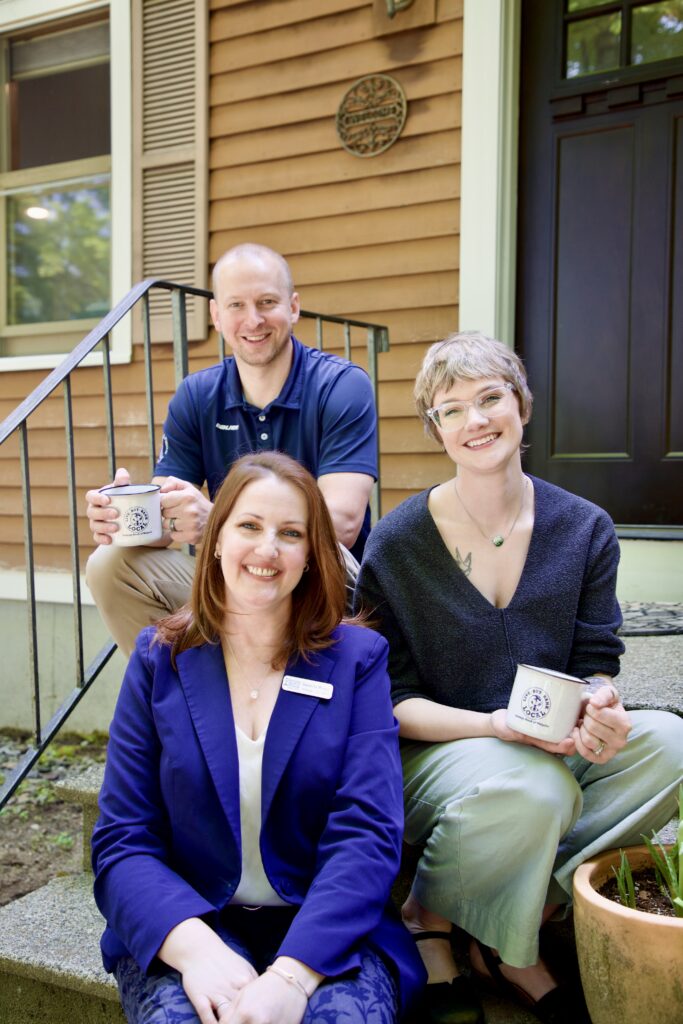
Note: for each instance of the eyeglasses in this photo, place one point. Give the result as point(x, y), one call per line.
point(452, 415)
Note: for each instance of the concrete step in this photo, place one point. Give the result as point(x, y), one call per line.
point(82, 788)
point(651, 674)
point(50, 966)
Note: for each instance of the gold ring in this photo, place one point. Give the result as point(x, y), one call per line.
point(599, 749)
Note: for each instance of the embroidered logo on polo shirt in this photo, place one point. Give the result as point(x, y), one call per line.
point(227, 426)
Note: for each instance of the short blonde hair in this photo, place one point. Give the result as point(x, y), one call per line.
point(468, 355)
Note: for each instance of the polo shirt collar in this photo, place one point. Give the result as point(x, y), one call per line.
point(292, 389)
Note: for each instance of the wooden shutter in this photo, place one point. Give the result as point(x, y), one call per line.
point(170, 133)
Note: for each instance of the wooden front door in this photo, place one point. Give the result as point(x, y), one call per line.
point(600, 267)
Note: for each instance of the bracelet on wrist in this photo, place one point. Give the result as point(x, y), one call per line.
point(290, 978)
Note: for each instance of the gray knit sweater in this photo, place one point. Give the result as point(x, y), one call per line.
point(449, 644)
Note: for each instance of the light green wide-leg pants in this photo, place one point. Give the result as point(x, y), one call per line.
point(504, 826)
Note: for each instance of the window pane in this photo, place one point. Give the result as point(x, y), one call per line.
point(60, 117)
point(581, 5)
point(60, 50)
point(593, 45)
point(657, 32)
point(58, 245)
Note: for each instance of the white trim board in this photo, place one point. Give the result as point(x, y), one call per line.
point(51, 587)
point(488, 191)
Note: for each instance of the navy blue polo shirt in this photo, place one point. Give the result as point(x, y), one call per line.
point(324, 417)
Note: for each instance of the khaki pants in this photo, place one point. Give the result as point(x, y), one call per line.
point(134, 587)
point(505, 825)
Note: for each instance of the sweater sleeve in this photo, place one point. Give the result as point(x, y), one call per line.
point(372, 598)
point(596, 646)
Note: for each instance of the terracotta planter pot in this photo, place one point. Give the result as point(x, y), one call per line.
point(631, 962)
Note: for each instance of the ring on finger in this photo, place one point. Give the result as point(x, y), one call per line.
point(171, 525)
point(223, 1002)
point(599, 749)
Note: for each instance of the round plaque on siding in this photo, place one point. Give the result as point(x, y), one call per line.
point(371, 115)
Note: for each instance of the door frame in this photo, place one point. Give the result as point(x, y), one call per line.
point(488, 193)
point(488, 168)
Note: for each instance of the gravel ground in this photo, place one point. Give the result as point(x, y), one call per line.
point(40, 835)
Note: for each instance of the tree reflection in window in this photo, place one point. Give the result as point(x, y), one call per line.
point(58, 253)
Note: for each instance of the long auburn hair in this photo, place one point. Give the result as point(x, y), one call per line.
point(318, 600)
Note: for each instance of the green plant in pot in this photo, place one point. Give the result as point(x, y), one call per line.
point(631, 960)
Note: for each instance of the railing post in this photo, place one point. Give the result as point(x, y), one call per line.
point(30, 579)
point(149, 391)
point(180, 360)
point(347, 340)
point(73, 529)
point(319, 333)
point(375, 496)
point(108, 406)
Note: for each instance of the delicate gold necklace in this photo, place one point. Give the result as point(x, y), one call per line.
point(498, 539)
point(254, 691)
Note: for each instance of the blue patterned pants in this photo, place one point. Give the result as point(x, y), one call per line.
point(367, 996)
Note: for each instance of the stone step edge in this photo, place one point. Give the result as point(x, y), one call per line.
point(52, 935)
point(82, 786)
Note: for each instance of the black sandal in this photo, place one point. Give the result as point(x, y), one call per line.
point(448, 1002)
point(562, 1005)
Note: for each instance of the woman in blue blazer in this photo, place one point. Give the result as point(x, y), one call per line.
point(251, 813)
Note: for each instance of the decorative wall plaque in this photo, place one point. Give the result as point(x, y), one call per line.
point(371, 115)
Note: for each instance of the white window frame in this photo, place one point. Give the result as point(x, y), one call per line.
point(20, 14)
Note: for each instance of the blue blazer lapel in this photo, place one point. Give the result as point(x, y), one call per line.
point(205, 684)
point(289, 719)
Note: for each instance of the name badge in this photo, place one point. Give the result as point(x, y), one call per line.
point(309, 687)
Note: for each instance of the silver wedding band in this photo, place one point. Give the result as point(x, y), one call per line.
point(171, 526)
point(225, 1002)
point(599, 749)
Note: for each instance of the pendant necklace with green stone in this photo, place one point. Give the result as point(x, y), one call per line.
point(498, 539)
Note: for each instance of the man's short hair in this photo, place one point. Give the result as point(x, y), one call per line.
point(251, 250)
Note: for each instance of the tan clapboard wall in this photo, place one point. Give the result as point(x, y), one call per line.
point(373, 239)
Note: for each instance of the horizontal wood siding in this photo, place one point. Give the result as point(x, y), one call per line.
point(374, 239)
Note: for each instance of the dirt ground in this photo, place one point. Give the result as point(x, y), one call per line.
point(40, 835)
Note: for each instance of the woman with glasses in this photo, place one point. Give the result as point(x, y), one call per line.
point(467, 580)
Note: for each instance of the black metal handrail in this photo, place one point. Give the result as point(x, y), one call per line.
point(17, 421)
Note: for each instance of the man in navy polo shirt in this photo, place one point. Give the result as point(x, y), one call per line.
point(273, 393)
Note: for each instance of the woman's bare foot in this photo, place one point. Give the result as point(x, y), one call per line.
point(436, 953)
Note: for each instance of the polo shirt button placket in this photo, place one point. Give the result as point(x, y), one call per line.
point(263, 434)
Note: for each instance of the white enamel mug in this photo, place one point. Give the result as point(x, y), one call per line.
point(546, 704)
point(139, 508)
